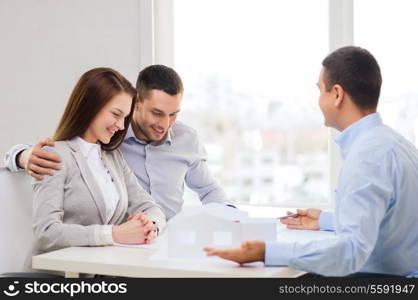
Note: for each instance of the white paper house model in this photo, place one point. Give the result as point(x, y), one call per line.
point(214, 225)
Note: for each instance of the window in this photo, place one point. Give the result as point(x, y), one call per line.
point(389, 35)
point(250, 69)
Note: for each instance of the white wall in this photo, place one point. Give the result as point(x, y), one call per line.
point(45, 46)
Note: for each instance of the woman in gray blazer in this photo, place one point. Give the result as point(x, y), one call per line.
point(94, 199)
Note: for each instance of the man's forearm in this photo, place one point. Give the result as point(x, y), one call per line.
point(215, 194)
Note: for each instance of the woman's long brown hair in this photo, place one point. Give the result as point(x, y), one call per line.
point(93, 90)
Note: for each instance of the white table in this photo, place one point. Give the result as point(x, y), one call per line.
point(138, 262)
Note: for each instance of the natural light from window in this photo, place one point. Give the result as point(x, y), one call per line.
point(390, 36)
point(250, 69)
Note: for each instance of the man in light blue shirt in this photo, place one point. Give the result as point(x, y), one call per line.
point(164, 154)
point(375, 219)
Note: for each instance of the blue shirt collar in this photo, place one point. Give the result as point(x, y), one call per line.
point(131, 135)
point(349, 135)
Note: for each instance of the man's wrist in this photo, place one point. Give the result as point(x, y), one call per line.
point(21, 157)
point(262, 252)
point(10, 159)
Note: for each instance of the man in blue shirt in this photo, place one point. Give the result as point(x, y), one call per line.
point(164, 154)
point(376, 203)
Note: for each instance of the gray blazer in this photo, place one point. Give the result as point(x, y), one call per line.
point(68, 207)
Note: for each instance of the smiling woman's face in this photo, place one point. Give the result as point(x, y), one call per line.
point(109, 120)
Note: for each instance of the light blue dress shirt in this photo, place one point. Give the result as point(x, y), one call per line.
point(376, 211)
point(163, 168)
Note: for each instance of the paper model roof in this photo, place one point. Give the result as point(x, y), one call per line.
point(259, 221)
point(213, 209)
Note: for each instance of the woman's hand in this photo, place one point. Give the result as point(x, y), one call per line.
point(137, 230)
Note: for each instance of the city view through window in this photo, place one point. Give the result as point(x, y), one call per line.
point(250, 69)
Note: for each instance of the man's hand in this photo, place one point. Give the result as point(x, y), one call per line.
point(38, 162)
point(308, 219)
point(250, 251)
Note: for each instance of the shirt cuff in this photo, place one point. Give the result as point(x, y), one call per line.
point(10, 157)
point(326, 221)
point(278, 253)
point(103, 235)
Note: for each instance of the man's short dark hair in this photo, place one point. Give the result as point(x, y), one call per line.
point(158, 77)
point(357, 71)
